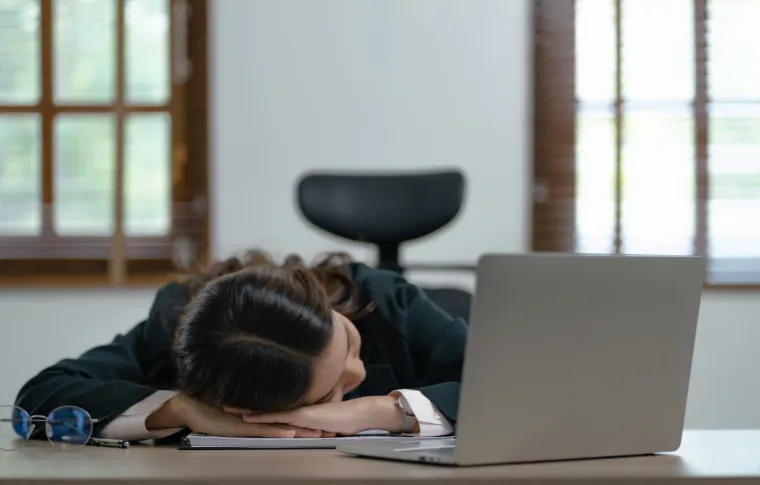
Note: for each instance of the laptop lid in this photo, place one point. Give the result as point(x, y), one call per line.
point(577, 356)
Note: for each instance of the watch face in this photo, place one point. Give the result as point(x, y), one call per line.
point(400, 403)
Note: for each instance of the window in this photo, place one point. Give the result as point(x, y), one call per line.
point(647, 131)
point(103, 138)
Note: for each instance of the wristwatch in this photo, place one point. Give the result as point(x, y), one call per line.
point(410, 421)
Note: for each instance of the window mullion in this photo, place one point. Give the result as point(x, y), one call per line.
point(47, 114)
point(701, 127)
point(618, 124)
point(182, 193)
point(117, 263)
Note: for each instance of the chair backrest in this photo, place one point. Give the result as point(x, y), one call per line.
point(386, 209)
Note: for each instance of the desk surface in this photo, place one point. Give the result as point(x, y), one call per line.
point(708, 456)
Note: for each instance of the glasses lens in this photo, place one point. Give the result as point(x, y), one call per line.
point(15, 427)
point(69, 427)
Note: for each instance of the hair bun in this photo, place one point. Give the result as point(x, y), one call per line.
point(294, 261)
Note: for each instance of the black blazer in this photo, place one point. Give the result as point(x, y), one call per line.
point(408, 343)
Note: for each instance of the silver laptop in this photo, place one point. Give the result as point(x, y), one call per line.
point(569, 357)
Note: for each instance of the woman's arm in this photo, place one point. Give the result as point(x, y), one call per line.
point(111, 382)
point(436, 343)
point(422, 417)
point(106, 380)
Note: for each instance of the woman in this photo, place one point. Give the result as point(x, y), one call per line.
point(249, 348)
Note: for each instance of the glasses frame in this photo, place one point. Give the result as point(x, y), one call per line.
point(37, 419)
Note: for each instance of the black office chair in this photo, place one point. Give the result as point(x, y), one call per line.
point(387, 211)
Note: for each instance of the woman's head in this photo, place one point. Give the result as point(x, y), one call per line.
point(265, 337)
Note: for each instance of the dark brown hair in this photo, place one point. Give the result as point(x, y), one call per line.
point(250, 334)
point(330, 270)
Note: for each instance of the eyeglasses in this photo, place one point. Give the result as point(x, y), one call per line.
point(66, 427)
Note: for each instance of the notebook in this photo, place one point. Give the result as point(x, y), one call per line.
point(195, 441)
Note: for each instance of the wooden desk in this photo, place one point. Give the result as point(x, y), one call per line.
point(707, 457)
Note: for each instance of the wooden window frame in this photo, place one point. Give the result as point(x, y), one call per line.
point(554, 132)
point(120, 260)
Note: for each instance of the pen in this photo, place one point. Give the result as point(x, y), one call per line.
point(108, 443)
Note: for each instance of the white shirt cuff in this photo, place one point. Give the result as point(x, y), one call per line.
point(430, 420)
point(130, 426)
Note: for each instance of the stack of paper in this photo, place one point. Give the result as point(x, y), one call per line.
point(204, 442)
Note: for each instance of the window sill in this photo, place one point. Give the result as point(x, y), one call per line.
point(728, 287)
point(59, 282)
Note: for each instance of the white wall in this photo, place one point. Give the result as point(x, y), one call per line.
point(371, 84)
point(39, 327)
point(375, 84)
point(725, 382)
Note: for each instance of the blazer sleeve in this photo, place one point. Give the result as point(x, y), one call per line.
point(435, 339)
point(109, 379)
point(437, 343)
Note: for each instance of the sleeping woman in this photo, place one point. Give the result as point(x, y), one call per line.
point(252, 348)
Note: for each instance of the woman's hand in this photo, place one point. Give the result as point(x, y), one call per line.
point(343, 417)
point(199, 417)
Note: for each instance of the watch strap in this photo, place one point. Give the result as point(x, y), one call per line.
point(410, 421)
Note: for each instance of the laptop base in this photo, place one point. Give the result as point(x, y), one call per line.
point(438, 452)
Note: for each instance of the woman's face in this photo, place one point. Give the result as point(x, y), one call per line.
point(339, 370)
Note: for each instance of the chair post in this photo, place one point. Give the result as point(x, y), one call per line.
point(388, 257)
